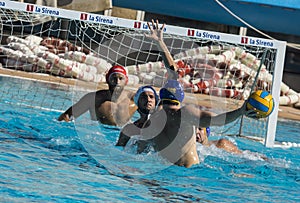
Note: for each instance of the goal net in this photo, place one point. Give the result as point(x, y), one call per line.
point(73, 50)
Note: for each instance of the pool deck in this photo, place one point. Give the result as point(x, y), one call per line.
point(285, 112)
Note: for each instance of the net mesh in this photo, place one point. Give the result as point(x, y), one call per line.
point(55, 49)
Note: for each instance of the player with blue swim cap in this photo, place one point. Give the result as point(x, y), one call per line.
point(171, 128)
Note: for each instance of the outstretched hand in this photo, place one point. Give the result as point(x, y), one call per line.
point(251, 113)
point(64, 117)
point(156, 33)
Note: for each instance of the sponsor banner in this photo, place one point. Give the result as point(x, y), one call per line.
point(256, 42)
point(2, 4)
point(204, 34)
point(127, 23)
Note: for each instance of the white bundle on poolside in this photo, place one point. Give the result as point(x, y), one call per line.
point(100, 64)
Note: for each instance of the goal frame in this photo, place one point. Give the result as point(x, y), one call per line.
point(280, 46)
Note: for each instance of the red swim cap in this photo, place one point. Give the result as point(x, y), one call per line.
point(116, 69)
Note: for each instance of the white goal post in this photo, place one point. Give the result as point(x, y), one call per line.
point(222, 65)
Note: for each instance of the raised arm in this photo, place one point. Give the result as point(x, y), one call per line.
point(156, 34)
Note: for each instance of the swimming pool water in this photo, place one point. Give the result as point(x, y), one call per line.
point(43, 160)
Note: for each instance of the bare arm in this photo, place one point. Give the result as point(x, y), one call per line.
point(87, 102)
point(231, 116)
point(128, 131)
point(123, 139)
point(225, 118)
point(156, 34)
point(206, 119)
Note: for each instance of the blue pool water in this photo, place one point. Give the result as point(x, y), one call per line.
point(43, 160)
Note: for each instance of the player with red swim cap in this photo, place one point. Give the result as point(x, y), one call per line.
point(116, 69)
point(116, 106)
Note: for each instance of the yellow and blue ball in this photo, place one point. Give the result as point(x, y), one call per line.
point(261, 102)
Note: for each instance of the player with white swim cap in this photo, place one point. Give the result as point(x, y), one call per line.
point(146, 99)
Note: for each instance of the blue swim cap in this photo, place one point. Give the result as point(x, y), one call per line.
point(172, 91)
point(144, 89)
point(207, 131)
